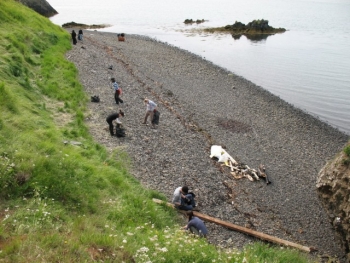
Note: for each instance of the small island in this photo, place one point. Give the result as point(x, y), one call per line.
point(191, 21)
point(256, 27)
point(83, 26)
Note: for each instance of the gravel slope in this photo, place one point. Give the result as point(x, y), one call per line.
point(202, 104)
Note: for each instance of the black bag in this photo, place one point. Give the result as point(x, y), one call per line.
point(95, 98)
point(119, 132)
point(155, 119)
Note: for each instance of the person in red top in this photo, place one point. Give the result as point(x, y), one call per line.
point(121, 37)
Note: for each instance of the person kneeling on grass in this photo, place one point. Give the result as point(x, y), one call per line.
point(196, 225)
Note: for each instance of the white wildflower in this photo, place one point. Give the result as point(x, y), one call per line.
point(163, 249)
point(143, 249)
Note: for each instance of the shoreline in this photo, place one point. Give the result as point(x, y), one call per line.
point(193, 94)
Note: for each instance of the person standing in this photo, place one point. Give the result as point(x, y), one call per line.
point(114, 116)
point(151, 107)
point(117, 91)
point(74, 37)
point(196, 225)
point(80, 34)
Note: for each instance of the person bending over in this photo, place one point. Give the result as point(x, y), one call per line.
point(196, 225)
point(151, 106)
point(111, 118)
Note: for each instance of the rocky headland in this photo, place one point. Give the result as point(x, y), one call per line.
point(333, 188)
point(40, 6)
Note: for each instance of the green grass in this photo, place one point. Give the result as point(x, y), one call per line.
point(65, 203)
point(346, 150)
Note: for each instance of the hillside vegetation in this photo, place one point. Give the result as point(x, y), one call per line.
point(63, 198)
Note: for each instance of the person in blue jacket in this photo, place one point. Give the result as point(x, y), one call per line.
point(117, 91)
point(195, 225)
point(80, 34)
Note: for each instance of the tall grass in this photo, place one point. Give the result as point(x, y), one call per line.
point(66, 203)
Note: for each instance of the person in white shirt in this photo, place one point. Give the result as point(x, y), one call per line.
point(182, 199)
point(151, 107)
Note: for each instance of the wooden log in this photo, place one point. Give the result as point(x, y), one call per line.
point(244, 230)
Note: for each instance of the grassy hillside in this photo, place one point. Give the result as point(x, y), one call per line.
point(63, 198)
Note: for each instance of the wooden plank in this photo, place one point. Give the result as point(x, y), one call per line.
point(244, 230)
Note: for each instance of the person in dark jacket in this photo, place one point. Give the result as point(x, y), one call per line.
point(196, 225)
point(80, 34)
point(74, 37)
point(114, 116)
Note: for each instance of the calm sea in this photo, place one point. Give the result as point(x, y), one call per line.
point(307, 66)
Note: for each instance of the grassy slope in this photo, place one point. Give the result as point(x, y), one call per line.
point(67, 203)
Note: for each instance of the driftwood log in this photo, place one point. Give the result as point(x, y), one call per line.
point(244, 230)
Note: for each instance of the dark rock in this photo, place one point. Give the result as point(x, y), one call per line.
point(333, 188)
point(40, 6)
point(190, 21)
point(254, 27)
point(83, 26)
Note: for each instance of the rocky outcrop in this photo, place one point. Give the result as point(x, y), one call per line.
point(334, 190)
point(83, 26)
point(254, 27)
point(40, 6)
point(190, 21)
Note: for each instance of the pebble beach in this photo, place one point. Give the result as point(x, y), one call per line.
point(202, 105)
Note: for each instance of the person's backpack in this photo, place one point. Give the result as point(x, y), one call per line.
point(120, 132)
point(119, 91)
point(155, 119)
point(95, 98)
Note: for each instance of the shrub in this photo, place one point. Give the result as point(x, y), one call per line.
point(347, 150)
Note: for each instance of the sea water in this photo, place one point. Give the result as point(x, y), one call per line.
point(307, 66)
